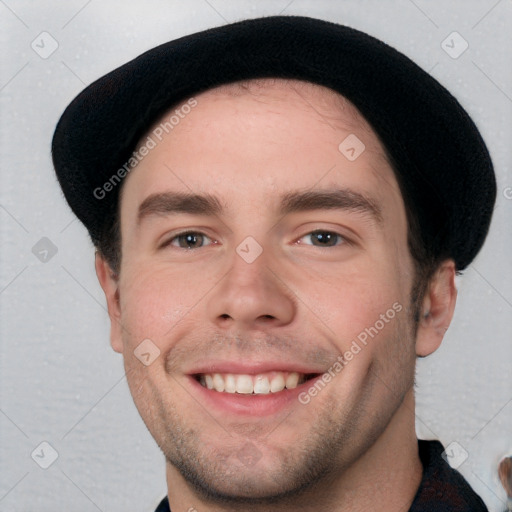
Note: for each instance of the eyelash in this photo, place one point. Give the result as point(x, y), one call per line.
point(344, 240)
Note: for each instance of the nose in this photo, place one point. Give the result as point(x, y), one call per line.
point(251, 296)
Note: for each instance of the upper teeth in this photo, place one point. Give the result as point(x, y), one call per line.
point(261, 384)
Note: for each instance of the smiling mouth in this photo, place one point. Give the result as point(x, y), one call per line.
point(260, 384)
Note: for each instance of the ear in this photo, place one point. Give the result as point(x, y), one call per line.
point(437, 310)
point(109, 281)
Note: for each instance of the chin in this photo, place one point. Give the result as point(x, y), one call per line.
point(245, 475)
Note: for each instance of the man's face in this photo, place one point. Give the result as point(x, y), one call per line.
point(333, 278)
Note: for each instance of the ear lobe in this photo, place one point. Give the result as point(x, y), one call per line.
point(438, 307)
point(109, 282)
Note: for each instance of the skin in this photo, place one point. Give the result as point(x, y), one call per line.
point(353, 446)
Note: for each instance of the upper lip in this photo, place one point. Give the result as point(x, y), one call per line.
point(252, 368)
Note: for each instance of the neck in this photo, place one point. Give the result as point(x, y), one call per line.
point(386, 477)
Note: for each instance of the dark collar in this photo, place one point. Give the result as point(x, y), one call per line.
point(442, 488)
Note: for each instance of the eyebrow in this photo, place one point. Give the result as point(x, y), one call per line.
point(336, 199)
point(167, 203)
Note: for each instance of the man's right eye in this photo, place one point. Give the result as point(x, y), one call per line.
point(187, 240)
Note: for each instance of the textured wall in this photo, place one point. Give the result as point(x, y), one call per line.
point(60, 382)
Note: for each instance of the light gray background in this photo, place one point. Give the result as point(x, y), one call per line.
point(60, 381)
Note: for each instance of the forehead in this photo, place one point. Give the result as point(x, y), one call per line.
point(310, 99)
point(258, 135)
point(327, 103)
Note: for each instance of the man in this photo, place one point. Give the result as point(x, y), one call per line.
point(277, 241)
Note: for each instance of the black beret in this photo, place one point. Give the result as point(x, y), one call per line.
point(440, 160)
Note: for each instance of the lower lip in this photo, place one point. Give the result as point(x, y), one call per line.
point(250, 404)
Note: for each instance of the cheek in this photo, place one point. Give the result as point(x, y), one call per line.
point(152, 302)
point(348, 304)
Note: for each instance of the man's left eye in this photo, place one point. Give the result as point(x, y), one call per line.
point(324, 238)
point(188, 239)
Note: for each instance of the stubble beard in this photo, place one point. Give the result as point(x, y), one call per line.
point(332, 443)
